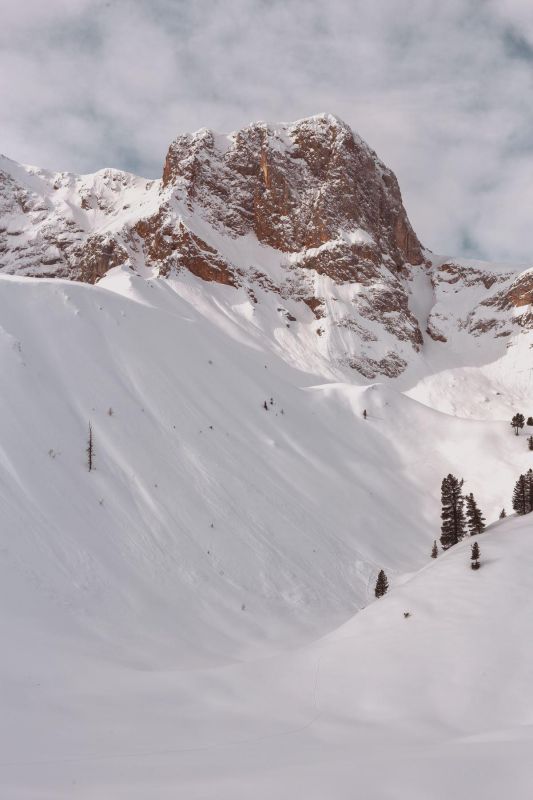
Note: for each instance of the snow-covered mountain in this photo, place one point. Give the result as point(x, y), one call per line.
point(171, 619)
point(303, 218)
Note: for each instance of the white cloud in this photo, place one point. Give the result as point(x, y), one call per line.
point(440, 90)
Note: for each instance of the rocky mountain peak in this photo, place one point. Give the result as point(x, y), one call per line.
point(296, 186)
point(301, 219)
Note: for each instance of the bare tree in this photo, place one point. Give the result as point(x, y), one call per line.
point(90, 448)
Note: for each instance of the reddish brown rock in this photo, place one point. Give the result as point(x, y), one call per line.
point(296, 187)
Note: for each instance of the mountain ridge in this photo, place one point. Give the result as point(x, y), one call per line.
point(303, 215)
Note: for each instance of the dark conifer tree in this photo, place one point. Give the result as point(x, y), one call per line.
point(382, 584)
point(474, 556)
point(452, 515)
point(434, 550)
point(502, 514)
point(529, 489)
point(530, 442)
point(364, 413)
point(90, 448)
point(517, 422)
point(521, 496)
point(474, 517)
point(529, 421)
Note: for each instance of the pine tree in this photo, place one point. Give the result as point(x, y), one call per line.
point(452, 515)
point(90, 448)
point(529, 421)
point(434, 550)
point(382, 584)
point(474, 517)
point(502, 514)
point(474, 556)
point(530, 442)
point(517, 422)
point(529, 489)
point(521, 496)
point(364, 413)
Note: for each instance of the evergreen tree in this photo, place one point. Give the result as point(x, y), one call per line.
point(474, 517)
point(529, 421)
point(434, 550)
point(382, 584)
point(364, 413)
point(90, 448)
point(521, 496)
point(502, 514)
point(452, 515)
point(517, 422)
point(530, 442)
point(529, 489)
point(474, 556)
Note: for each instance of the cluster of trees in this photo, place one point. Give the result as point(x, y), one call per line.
point(461, 516)
point(517, 423)
point(458, 522)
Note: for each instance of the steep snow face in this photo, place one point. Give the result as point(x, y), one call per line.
point(202, 500)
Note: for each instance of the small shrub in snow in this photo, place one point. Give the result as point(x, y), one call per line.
point(502, 514)
point(434, 550)
point(474, 556)
point(382, 584)
point(530, 442)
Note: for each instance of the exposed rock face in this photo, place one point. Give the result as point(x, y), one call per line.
point(297, 187)
point(303, 212)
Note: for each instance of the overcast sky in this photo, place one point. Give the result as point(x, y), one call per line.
point(443, 91)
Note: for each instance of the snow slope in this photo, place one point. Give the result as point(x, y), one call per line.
point(164, 615)
point(433, 706)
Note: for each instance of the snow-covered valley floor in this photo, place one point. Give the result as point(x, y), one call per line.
point(195, 617)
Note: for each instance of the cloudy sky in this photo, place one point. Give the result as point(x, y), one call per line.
point(441, 89)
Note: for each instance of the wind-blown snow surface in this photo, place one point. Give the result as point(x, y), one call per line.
point(162, 617)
